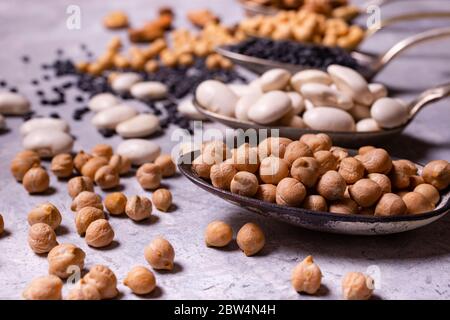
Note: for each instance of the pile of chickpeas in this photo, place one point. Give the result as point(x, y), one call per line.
point(313, 174)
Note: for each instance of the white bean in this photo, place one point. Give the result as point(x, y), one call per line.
point(329, 119)
point(44, 123)
point(352, 83)
point(270, 107)
point(149, 90)
point(309, 105)
point(48, 143)
point(309, 76)
point(217, 97)
point(139, 126)
point(389, 113)
point(274, 79)
point(323, 95)
point(124, 81)
point(244, 103)
point(297, 102)
point(378, 90)
point(187, 109)
point(139, 151)
point(243, 89)
point(367, 125)
point(111, 117)
point(13, 103)
point(103, 101)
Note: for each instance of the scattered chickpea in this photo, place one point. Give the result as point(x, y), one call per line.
point(290, 192)
point(382, 180)
point(149, 176)
point(306, 170)
point(120, 163)
point(244, 183)
point(86, 199)
point(138, 208)
point(41, 238)
point(77, 185)
point(140, 280)
point(85, 216)
point(36, 180)
point(44, 288)
point(429, 191)
point(266, 192)
point(295, 150)
point(45, 213)
point(315, 203)
point(317, 142)
point(331, 186)
point(99, 233)
point(104, 280)
point(202, 166)
point(151, 66)
point(273, 170)
point(306, 276)
point(107, 177)
point(351, 170)
point(273, 147)
point(357, 286)
point(168, 167)
point(377, 161)
point(401, 172)
point(245, 158)
point(160, 254)
point(23, 162)
point(365, 192)
point(222, 174)
point(92, 165)
point(80, 160)
point(83, 290)
point(115, 203)
point(390, 204)
point(218, 234)
point(162, 199)
point(250, 239)
point(437, 173)
point(63, 256)
point(417, 203)
point(62, 165)
point(344, 206)
point(115, 20)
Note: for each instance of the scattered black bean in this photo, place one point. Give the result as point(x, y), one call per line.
point(25, 59)
point(107, 133)
point(27, 116)
point(79, 99)
point(13, 89)
point(3, 83)
point(54, 115)
point(46, 77)
point(79, 113)
point(35, 82)
point(40, 93)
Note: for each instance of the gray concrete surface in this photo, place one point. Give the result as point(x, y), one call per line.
point(414, 265)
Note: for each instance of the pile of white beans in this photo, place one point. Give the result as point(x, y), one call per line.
point(337, 100)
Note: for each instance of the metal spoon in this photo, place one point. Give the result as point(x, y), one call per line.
point(370, 64)
point(347, 139)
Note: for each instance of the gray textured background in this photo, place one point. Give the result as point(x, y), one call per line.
point(412, 265)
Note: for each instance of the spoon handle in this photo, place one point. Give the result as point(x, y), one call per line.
point(382, 60)
point(428, 96)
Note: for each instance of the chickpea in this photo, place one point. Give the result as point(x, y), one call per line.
point(273, 147)
point(167, 165)
point(23, 162)
point(357, 286)
point(377, 161)
point(162, 199)
point(339, 153)
point(149, 176)
point(107, 177)
point(244, 183)
point(415, 180)
point(437, 173)
point(86, 199)
point(367, 211)
point(351, 170)
point(344, 206)
point(273, 170)
point(63, 256)
point(80, 160)
point(99, 233)
point(36, 180)
point(315, 203)
point(2, 225)
point(390, 204)
point(417, 203)
point(85, 216)
point(83, 290)
point(306, 170)
point(41, 238)
point(104, 280)
point(77, 185)
point(102, 150)
point(216, 150)
point(222, 174)
point(120, 163)
point(331, 186)
point(140, 280)
point(45, 213)
point(138, 208)
point(250, 239)
point(365, 149)
point(317, 142)
point(429, 191)
point(115, 203)
point(92, 165)
point(306, 276)
point(62, 165)
point(401, 172)
point(266, 192)
point(218, 234)
point(290, 192)
point(326, 161)
point(44, 288)
point(202, 166)
point(365, 192)
point(295, 150)
point(245, 158)
point(160, 254)
point(382, 180)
